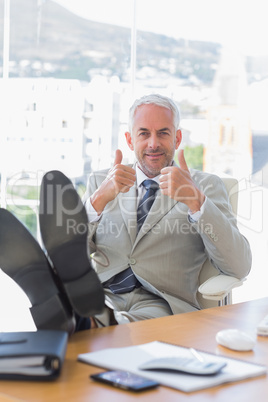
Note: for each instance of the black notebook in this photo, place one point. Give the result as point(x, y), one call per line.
point(32, 355)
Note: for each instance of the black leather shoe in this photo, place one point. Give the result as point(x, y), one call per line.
point(22, 258)
point(64, 228)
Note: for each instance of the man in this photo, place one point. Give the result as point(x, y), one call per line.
point(148, 258)
point(153, 271)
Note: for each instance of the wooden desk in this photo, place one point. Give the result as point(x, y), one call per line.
point(196, 329)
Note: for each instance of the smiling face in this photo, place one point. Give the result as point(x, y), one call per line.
point(154, 138)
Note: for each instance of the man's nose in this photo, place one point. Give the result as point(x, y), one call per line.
point(153, 141)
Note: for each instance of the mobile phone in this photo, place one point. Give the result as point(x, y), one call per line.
point(125, 380)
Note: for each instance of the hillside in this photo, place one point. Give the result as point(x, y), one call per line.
point(51, 41)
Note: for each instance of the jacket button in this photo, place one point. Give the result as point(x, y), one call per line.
point(132, 261)
point(207, 229)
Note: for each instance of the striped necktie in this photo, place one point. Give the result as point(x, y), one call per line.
point(147, 201)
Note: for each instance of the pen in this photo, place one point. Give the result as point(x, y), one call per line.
point(197, 355)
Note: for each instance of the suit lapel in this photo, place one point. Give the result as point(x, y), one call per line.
point(161, 206)
point(128, 208)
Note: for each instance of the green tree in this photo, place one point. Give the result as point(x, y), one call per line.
point(193, 157)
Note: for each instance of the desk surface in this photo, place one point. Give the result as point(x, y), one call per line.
point(197, 329)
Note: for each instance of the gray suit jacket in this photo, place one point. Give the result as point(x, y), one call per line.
point(169, 251)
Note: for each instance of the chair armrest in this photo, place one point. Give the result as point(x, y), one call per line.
point(217, 287)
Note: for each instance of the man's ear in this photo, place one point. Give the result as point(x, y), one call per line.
point(129, 140)
point(178, 138)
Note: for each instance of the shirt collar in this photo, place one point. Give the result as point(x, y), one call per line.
point(141, 176)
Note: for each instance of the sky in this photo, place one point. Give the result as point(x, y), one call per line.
point(235, 23)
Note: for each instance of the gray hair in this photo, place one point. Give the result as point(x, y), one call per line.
point(155, 99)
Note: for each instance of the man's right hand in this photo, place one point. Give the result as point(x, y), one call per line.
point(120, 179)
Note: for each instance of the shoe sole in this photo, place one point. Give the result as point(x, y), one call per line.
point(64, 229)
point(23, 260)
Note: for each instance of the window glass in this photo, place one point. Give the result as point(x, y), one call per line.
point(1, 35)
point(60, 66)
point(71, 69)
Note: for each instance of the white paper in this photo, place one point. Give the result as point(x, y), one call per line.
point(130, 358)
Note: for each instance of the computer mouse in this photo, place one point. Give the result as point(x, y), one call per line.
point(235, 339)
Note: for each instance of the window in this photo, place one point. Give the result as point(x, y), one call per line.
point(69, 70)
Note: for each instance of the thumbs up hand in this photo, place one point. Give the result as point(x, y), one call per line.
point(120, 179)
point(118, 157)
point(123, 177)
point(177, 183)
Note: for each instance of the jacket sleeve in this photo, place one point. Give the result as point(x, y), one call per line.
point(225, 246)
point(92, 227)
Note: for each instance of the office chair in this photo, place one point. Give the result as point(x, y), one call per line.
point(215, 289)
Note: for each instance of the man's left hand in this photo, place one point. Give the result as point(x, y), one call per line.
point(177, 183)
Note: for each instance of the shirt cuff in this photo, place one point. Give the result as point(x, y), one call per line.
point(91, 212)
point(193, 218)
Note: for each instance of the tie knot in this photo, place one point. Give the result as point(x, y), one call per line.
point(150, 184)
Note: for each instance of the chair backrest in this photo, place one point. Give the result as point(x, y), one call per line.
point(208, 270)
